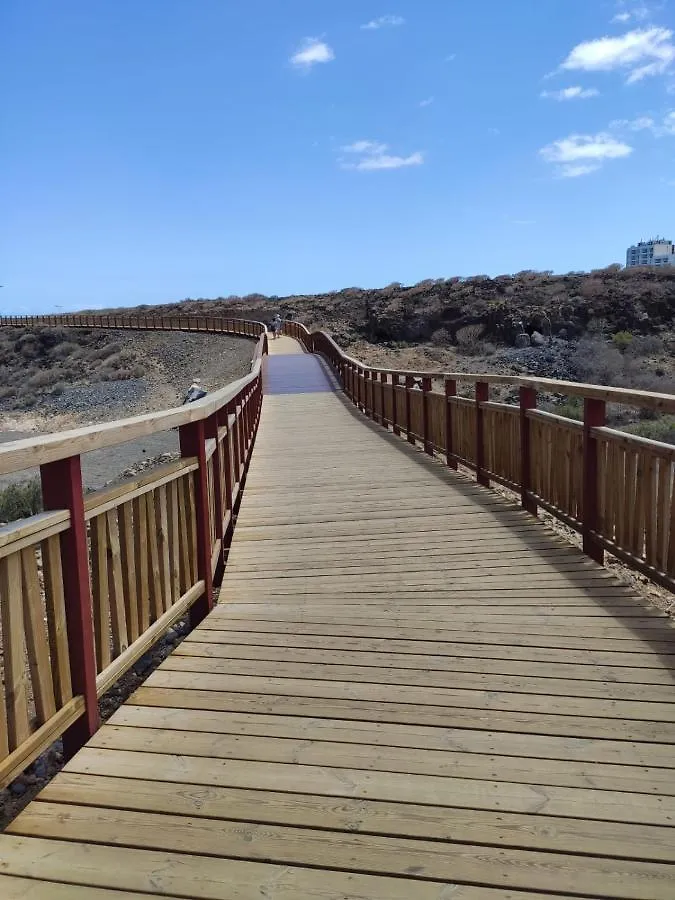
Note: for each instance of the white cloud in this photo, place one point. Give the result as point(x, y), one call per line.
point(581, 154)
point(576, 170)
point(668, 126)
point(642, 123)
point(383, 22)
point(364, 147)
point(313, 51)
point(571, 93)
point(451, 57)
point(385, 161)
point(664, 128)
point(645, 52)
point(375, 156)
point(427, 102)
point(638, 13)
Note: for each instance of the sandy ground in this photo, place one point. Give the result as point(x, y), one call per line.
point(174, 360)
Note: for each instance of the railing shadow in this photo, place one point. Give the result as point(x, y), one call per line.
point(658, 636)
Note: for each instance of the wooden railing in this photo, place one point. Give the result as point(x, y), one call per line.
point(89, 585)
point(616, 489)
point(215, 324)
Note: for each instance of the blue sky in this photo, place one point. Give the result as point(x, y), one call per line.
point(168, 148)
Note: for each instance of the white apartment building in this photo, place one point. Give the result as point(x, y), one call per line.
point(657, 252)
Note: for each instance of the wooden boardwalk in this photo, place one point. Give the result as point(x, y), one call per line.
point(409, 690)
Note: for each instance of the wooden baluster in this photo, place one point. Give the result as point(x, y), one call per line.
point(528, 400)
point(383, 381)
point(192, 443)
point(394, 397)
point(62, 489)
point(594, 417)
point(426, 416)
point(482, 396)
point(211, 431)
point(450, 394)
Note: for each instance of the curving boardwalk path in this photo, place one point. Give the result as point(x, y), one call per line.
point(410, 690)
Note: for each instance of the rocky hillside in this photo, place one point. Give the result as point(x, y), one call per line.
point(640, 301)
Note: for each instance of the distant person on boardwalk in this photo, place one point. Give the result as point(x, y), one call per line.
point(276, 326)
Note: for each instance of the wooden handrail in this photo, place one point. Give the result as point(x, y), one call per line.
point(616, 489)
point(121, 565)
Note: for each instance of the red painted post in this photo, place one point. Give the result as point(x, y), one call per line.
point(62, 489)
point(450, 392)
point(482, 396)
point(394, 415)
point(192, 443)
point(528, 400)
point(409, 384)
point(426, 416)
point(594, 417)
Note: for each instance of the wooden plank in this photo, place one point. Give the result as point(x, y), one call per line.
point(163, 540)
point(372, 784)
point(364, 816)
point(154, 570)
point(181, 676)
point(435, 661)
point(482, 766)
point(534, 870)
point(40, 740)
point(387, 734)
point(207, 878)
point(334, 666)
point(645, 665)
point(174, 540)
point(185, 547)
point(118, 619)
point(30, 889)
point(128, 561)
point(142, 644)
point(142, 563)
point(37, 646)
point(100, 588)
point(55, 613)
point(186, 693)
point(15, 676)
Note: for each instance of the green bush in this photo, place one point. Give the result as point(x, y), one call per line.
point(661, 429)
point(20, 500)
point(622, 340)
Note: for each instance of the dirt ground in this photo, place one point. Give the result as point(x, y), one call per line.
point(172, 361)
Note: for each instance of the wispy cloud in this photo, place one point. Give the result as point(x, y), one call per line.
point(427, 102)
point(571, 93)
point(376, 156)
point(637, 14)
point(665, 127)
point(451, 57)
point(581, 154)
point(383, 22)
point(643, 52)
point(576, 170)
point(364, 147)
point(312, 51)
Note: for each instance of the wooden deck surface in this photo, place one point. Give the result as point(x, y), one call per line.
point(409, 690)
